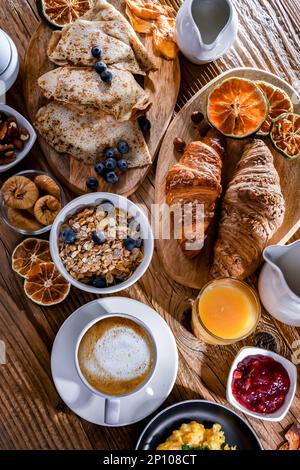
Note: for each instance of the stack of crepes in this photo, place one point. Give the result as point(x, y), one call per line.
point(85, 114)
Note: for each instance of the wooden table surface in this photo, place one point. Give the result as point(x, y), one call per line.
point(32, 416)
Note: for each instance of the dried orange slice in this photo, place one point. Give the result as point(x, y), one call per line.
point(28, 254)
point(237, 107)
point(279, 103)
point(285, 135)
point(60, 13)
point(45, 285)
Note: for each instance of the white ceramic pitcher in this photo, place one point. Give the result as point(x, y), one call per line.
point(279, 282)
point(206, 29)
point(9, 63)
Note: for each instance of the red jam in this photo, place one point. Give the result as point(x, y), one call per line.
point(260, 384)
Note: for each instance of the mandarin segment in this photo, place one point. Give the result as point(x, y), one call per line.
point(285, 135)
point(279, 103)
point(28, 254)
point(237, 107)
point(45, 285)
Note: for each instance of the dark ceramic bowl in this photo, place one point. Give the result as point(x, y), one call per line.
point(237, 432)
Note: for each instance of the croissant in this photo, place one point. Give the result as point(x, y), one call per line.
point(252, 211)
point(194, 180)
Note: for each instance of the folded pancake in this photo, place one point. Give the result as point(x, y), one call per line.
point(102, 26)
point(123, 98)
point(86, 134)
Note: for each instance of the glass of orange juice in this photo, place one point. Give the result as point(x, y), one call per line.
point(225, 311)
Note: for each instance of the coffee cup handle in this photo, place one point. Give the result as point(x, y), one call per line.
point(112, 411)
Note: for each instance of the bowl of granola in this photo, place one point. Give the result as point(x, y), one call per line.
point(101, 243)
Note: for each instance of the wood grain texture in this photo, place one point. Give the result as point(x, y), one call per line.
point(31, 414)
point(194, 272)
point(73, 172)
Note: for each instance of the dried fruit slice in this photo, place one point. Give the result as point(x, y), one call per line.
point(28, 254)
point(279, 103)
point(149, 10)
point(237, 107)
point(285, 135)
point(19, 192)
point(44, 285)
point(47, 184)
point(46, 209)
point(60, 13)
point(164, 38)
point(23, 220)
point(139, 25)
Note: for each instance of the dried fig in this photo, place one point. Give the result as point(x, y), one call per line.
point(19, 192)
point(46, 209)
point(23, 220)
point(48, 185)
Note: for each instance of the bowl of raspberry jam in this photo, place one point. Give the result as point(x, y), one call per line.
point(262, 384)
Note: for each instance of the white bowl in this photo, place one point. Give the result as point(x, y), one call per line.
point(289, 367)
point(93, 199)
point(22, 122)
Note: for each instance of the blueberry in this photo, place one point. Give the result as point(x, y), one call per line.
point(109, 152)
point(111, 177)
point(98, 237)
point(122, 164)
point(138, 242)
point(134, 226)
point(100, 168)
point(106, 76)
point(92, 183)
point(100, 67)
point(96, 52)
point(99, 282)
point(119, 279)
point(129, 243)
point(111, 164)
point(68, 235)
point(123, 147)
point(145, 124)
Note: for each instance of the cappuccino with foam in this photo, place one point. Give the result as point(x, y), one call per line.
point(116, 356)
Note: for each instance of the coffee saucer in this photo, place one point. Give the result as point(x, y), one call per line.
point(78, 397)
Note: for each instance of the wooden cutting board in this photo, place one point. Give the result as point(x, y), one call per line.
point(73, 172)
point(194, 273)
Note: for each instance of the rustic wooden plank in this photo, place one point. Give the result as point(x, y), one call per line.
point(31, 414)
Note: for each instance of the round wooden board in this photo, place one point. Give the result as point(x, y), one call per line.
point(73, 172)
point(194, 273)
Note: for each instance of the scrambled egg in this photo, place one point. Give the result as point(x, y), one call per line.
point(195, 436)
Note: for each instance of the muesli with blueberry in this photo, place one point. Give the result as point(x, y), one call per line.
point(101, 245)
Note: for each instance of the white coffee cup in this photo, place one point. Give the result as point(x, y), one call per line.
point(113, 403)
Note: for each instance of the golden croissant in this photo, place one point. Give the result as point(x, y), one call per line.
point(252, 211)
point(195, 180)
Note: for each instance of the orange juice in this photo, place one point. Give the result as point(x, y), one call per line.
point(225, 311)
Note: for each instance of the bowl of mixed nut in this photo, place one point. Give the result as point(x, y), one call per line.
point(101, 243)
point(17, 137)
